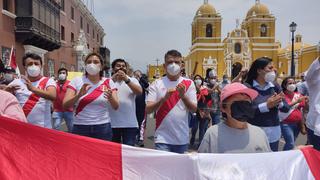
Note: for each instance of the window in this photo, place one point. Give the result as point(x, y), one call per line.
point(62, 33)
point(263, 30)
point(93, 36)
point(6, 5)
point(51, 68)
point(72, 13)
point(237, 48)
point(72, 37)
point(209, 30)
point(98, 37)
point(81, 22)
point(88, 29)
point(62, 5)
point(88, 46)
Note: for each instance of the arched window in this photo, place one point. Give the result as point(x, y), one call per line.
point(263, 30)
point(209, 30)
point(237, 48)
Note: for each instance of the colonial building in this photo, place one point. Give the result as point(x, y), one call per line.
point(253, 38)
point(62, 32)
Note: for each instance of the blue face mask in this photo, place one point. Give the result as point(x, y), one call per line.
point(242, 111)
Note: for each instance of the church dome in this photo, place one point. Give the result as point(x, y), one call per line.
point(258, 9)
point(205, 10)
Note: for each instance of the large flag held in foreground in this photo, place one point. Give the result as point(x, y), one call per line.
point(30, 152)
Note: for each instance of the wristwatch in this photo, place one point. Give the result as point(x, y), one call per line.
point(127, 81)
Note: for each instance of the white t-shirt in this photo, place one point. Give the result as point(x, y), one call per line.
point(125, 115)
point(40, 115)
point(174, 128)
point(96, 112)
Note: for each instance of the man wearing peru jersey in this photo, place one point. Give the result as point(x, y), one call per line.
point(172, 97)
point(34, 92)
point(124, 121)
point(58, 112)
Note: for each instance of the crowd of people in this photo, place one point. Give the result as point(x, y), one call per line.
point(248, 113)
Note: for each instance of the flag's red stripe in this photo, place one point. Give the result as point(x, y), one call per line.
point(33, 98)
point(91, 97)
point(169, 104)
point(32, 152)
point(312, 157)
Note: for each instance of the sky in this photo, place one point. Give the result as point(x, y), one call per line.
point(141, 31)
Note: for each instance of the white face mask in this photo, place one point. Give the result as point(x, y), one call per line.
point(173, 69)
point(198, 82)
point(33, 71)
point(92, 69)
point(291, 87)
point(62, 77)
point(270, 76)
point(8, 77)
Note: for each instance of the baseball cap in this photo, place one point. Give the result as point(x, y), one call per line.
point(235, 88)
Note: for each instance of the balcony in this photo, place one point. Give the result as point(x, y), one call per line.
point(33, 32)
point(38, 23)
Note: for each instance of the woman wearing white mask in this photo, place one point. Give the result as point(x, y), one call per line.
point(202, 117)
point(269, 101)
point(292, 122)
point(214, 90)
point(93, 96)
point(34, 92)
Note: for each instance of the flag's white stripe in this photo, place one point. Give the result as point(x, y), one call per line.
point(139, 163)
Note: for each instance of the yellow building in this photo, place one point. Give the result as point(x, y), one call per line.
point(155, 71)
point(254, 38)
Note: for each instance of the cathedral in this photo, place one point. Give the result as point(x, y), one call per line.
point(251, 39)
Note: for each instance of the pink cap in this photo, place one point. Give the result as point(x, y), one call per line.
point(235, 88)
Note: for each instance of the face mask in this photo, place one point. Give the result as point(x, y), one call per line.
point(198, 82)
point(62, 77)
point(291, 87)
point(92, 69)
point(213, 81)
point(242, 111)
point(8, 77)
point(33, 71)
point(270, 76)
point(173, 69)
point(225, 80)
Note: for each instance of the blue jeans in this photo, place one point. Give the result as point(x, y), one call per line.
point(57, 120)
point(313, 139)
point(171, 148)
point(124, 135)
point(274, 146)
point(289, 132)
point(203, 126)
point(99, 131)
point(215, 117)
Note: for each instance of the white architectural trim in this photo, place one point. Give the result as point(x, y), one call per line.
point(262, 37)
point(8, 13)
point(208, 44)
point(264, 44)
point(262, 49)
point(63, 13)
point(206, 49)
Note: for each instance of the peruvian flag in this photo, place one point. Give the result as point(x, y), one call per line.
point(31, 152)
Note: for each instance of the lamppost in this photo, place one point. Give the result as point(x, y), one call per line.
point(293, 27)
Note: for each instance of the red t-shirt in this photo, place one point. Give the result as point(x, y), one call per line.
point(296, 115)
point(61, 92)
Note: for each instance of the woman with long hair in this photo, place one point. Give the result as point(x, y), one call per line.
point(270, 100)
point(292, 122)
point(93, 96)
point(202, 118)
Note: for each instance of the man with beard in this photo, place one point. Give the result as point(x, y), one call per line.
point(172, 97)
point(123, 120)
point(235, 135)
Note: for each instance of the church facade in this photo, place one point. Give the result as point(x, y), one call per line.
point(253, 38)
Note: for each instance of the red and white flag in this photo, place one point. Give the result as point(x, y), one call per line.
point(32, 152)
point(12, 61)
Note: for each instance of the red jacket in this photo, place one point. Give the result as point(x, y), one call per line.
point(296, 115)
